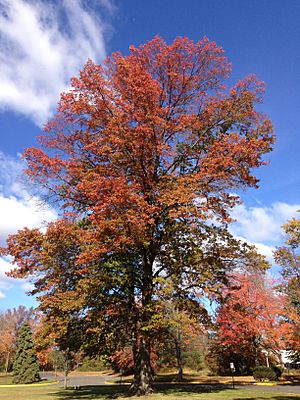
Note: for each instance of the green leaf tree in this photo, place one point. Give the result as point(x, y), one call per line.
point(26, 366)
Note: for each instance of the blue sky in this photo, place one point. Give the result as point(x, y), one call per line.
point(44, 43)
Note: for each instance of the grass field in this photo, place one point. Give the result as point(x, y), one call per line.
point(166, 392)
point(5, 379)
point(207, 390)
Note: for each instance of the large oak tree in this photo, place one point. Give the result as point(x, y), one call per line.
point(145, 152)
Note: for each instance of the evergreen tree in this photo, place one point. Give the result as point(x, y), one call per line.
point(26, 367)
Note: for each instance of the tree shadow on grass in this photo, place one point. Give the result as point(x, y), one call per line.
point(109, 392)
point(189, 388)
point(185, 390)
point(106, 392)
point(94, 392)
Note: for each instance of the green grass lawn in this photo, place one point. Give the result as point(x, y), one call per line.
point(166, 392)
point(5, 379)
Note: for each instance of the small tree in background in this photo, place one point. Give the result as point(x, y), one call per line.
point(26, 366)
point(250, 320)
point(181, 328)
point(288, 256)
point(10, 322)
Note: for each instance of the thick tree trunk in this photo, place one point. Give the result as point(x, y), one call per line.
point(143, 374)
point(179, 361)
point(143, 377)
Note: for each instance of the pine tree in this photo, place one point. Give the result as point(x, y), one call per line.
point(26, 367)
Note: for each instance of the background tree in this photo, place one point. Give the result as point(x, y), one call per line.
point(58, 340)
point(10, 322)
point(142, 147)
point(26, 367)
point(57, 360)
point(289, 258)
point(250, 321)
point(181, 325)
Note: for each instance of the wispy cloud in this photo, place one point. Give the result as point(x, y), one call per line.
point(264, 249)
point(16, 214)
point(42, 45)
point(5, 282)
point(18, 208)
point(263, 224)
point(27, 286)
point(10, 286)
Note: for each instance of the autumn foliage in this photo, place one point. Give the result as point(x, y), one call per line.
point(251, 321)
point(288, 257)
point(10, 323)
point(252, 312)
point(144, 150)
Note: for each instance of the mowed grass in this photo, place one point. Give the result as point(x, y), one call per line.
point(166, 392)
point(5, 379)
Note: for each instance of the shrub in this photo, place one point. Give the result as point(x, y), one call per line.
point(122, 360)
point(278, 371)
point(97, 363)
point(193, 360)
point(262, 373)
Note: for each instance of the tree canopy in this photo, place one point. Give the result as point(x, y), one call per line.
point(142, 157)
point(251, 320)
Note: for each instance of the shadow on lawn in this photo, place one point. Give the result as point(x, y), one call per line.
point(181, 390)
point(93, 392)
point(121, 391)
point(106, 392)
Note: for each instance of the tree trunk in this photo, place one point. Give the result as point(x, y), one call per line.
point(143, 377)
point(7, 363)
point(255, 344)
point(179, 361)
point(66, 378)
point(66, 369)
point(143, 374)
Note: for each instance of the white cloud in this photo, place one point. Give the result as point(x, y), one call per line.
point(27, 286)
point(18, 208)
point(5, 282)
point(10, 175)
point(42, 45)
point(265, 250)
point(262, 225)
point(16, 214)
point(262, 248)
